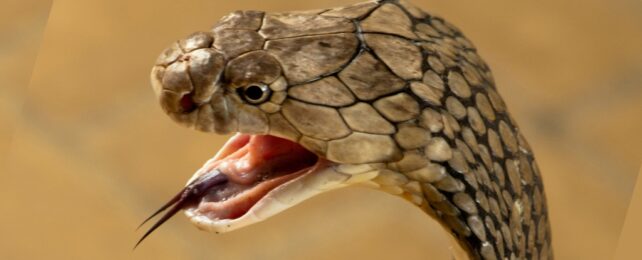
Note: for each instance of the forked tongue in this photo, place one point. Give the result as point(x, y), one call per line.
point(243, 163)
point(189, 195)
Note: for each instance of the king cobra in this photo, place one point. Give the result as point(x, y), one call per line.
point(380, 94)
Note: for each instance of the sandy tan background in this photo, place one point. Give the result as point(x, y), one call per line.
point(629, 243)
point(86, 153)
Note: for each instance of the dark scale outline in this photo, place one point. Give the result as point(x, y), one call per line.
point(527, 189)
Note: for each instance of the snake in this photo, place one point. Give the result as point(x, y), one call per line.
point(379, 94)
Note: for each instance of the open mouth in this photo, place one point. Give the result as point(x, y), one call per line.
point(244, 172)
point(254, 165)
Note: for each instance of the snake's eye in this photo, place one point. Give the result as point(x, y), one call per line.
point(256, 93)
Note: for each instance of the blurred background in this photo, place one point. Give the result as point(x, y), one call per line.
point(86, 153)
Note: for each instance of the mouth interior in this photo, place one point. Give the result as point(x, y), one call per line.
point(245, 170)
point(254, 165)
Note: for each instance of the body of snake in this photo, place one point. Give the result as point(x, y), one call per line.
point(378, 93)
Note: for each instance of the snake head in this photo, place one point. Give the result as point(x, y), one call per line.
point(313, 105)
point(238, 78)
point(203, 85)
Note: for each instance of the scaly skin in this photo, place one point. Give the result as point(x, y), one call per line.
point(379, 85)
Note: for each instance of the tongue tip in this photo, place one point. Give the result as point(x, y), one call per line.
point(183, 199)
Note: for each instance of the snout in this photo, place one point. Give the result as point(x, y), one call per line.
point(187, 81)
point(187, 73)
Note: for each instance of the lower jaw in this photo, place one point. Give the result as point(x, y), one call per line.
point(318, 179)
point(241, 203)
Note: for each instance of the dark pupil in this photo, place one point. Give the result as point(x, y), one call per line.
point(253, 92)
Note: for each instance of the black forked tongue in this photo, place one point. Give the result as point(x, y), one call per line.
point(187, 196)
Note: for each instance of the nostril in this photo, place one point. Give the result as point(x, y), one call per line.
point(187, 103)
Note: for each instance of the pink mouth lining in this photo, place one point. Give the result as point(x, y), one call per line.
point(255, 165)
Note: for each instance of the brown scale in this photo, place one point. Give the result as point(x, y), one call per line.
point(385, 74)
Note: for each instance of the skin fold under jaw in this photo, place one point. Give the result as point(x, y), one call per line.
point(381, 94)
